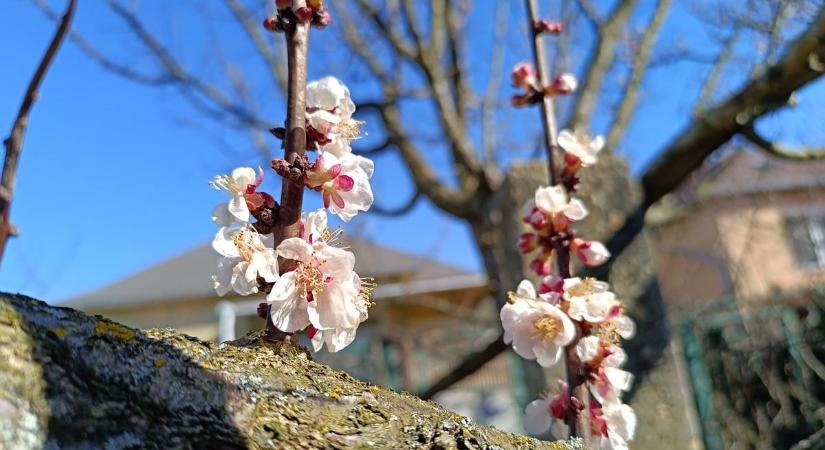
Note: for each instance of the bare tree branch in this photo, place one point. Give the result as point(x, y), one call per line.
point(801, 154)
point(105, 62)
point(399, 210)
point(253, 29)
point(494, 83)
point(709, 87)
point(176, 70)
point(638, 69)
point(14, 143)
point(599, 63)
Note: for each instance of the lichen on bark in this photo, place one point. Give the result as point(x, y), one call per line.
point(68, 380)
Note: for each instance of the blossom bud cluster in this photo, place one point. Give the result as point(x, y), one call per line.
point(309, 281)
point(551, 212)
point(540, 323)
point(314, 12)
point(525, 76)
point(342, 178)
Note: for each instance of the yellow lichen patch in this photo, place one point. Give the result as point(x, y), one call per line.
point(114, 329)
point(375, 389)
point(60, 332)
point(160, 362)
point(335, 393)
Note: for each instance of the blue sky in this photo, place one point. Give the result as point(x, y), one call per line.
point(113, 175)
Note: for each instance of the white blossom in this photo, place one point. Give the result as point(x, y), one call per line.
point(337, 338)
point(319, 291)
point(618, 426)
point(536, 328)
point(242, 181)
point(591, 253)
point(343, 182)
point(548, 413)
point(590, 300)
point(329, 111)
point(581, 146)
point(607, 379)
point(244, 257)
point(553, 201)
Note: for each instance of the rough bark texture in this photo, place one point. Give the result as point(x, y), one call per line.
point(72, 381)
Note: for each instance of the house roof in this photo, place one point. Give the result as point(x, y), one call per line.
point(739, 172)
point(187, 276)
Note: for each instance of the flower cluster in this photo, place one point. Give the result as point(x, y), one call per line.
point(568, 313)
point(541, 323)
point(551, 212)
point(524, 76)
point(315, 12)
point(309, 281)
point(342, 177)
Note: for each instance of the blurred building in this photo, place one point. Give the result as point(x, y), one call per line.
point(750, 225)
point(426, 316)
point(740, 256)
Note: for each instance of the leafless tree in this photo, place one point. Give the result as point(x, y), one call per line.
point(415, 57)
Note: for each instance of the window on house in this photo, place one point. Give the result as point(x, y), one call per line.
point(808, 237)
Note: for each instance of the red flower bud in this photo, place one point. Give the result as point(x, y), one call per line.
point(527, 242)
point(541, 266)
point(524, 75)
point(263, 309)
point(321, 19)
point(304, 14)
point(272, 24)
point(563, 84)
point(547, 26)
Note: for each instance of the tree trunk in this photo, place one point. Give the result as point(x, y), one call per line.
point(68, 380)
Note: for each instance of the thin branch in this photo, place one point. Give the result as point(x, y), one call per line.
point(179, 73)
point(778, 150)
point(590, 13)
point(709, 87)
point(399, 210)
point(488, 105)
point(96, 55)
point(14, 143)
point(253, 29)
point(639, 67)
point(599, 63)
point(292, 191)
point(382, 147)
point(467, 367)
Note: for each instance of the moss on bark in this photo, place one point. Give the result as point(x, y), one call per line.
point(68, 380)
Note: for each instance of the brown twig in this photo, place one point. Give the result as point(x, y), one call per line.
point(577, 421)
point(14, 143)
point(292, 191)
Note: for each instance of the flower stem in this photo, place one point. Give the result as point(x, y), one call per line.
point(578, 421)
point(292, 191)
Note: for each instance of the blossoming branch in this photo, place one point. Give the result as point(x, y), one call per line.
point(567, 318)
point(298, 263)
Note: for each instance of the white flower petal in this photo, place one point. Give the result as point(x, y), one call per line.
point(537, 417)
point(296, 249)
point(221, 216)
point(238, 209)
point(575, 210)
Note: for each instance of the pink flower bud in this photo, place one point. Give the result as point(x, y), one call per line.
point(563, 84)
point(591, 253)
point(321, 19)
point(271, 24)
point(547, 26)
point(263, 310)
point(304, 14)
point(524, 75)
point(541, 266)
point(551, 283)
point(527, 242)
point(538, 219)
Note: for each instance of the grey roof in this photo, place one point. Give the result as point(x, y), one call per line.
point(187, 276)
